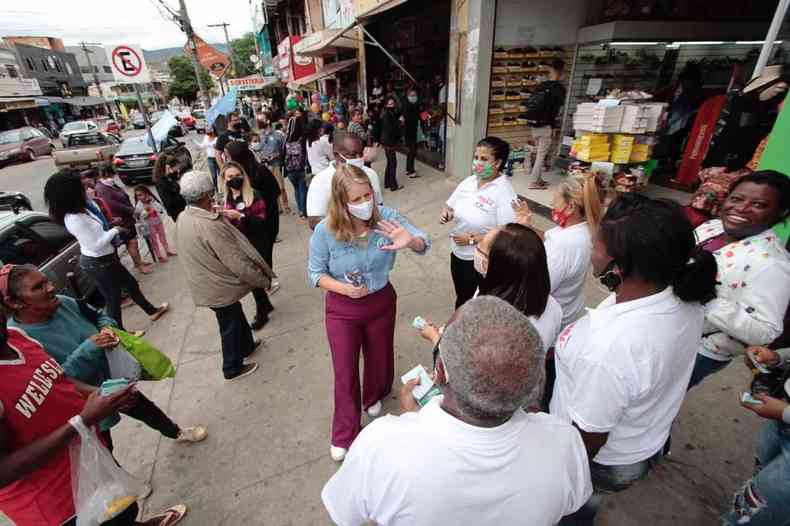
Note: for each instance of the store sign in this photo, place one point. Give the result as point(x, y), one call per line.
point(215, 62)
point(17, 104)
point(18, 87)
point(251, 83)
point(292, 65)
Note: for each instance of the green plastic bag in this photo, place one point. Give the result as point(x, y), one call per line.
point(156, 365)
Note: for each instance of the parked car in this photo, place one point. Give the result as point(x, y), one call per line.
point(138, 123)
point(187, 120)
point(76, 127)
point(112, 127)
point(134, 162)
point(23, 144)
point(201, 124)
point(84, 150)
point(34, 238)
point(15, 202)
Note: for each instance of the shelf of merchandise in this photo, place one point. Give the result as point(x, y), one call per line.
point(507, 75)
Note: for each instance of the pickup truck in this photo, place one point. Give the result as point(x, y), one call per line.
point(84, 150)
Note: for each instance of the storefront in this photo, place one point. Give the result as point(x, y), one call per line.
point(685, 83)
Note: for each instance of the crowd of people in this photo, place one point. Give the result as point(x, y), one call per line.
point(540, 406)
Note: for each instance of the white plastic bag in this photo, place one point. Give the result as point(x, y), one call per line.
point(101, 488)
point(122, 364)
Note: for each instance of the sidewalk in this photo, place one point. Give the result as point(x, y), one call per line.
point(267, 454)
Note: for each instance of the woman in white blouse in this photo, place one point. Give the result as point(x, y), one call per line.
point(208, 144)
point(481, 202)
point(753, 286)
point(319, 145)
point(577, 208)
point(69, 206)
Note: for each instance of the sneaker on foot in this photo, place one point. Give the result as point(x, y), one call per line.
point(374, 410)
point(256, 344)
point(138, 334)
point(163, 308)
point(172, 253)
point(192, 434)
point(163, 260)
point(259, 322)
point(274, 287)
point(247, 370)
point(337, 453)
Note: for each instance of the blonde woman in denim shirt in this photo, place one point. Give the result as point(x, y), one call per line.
point(352, 252)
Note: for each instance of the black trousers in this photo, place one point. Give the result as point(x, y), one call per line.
point(390, 180)
point(236, 335)
point(262, 301)
point(126, 518)
point(111, 277)
point(148, 413)
point(411, 155)
point(465, 279)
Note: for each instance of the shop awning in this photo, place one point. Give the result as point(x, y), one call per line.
point(324, 42)
point(16, 103)
point(327, 71)
point(83, 102)
point(369, 8)
point(55, 100)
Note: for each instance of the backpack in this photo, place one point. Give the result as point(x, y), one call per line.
point(545, 103)
point(294, 156)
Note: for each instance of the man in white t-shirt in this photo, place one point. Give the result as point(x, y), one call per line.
point(349, 149)
point(472, 455)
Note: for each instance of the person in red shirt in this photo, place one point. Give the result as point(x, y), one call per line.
point(36, 403)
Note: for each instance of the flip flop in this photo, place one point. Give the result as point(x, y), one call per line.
point(542, 185)
point(170, 517)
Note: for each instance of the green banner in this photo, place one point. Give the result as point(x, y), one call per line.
point(777, 157)
point(266, 51)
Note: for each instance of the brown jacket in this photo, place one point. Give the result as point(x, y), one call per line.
point(221, 266)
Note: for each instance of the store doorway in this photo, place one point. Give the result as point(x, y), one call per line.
point(417, 35)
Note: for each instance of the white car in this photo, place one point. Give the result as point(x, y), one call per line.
point(72, 128)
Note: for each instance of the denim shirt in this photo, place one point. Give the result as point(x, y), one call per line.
point(339, 260)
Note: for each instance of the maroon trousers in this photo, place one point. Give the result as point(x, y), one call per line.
point(366, 324)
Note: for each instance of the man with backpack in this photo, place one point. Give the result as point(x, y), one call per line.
point(295, 155)
point(542, 109)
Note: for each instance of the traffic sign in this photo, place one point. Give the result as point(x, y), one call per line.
point(128, 64)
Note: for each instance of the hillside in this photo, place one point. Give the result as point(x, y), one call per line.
point(154, 56)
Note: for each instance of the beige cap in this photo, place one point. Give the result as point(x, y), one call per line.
point(769, 74)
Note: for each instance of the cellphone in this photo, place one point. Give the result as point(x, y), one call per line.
point(747, 398)
point(419, 323)
point(113, 385)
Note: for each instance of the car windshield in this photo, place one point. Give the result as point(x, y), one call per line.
point(85, 139)
point(134, 146)
point(10, 137)
point(198, 115)
point(71, 126)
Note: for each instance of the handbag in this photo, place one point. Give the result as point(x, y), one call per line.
point(154, 364)
point(122, 364)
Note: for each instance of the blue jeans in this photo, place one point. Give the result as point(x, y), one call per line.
point(213, 168)
point(609, 479)
point(764, 500)
point(300, 190)
point(703, 367)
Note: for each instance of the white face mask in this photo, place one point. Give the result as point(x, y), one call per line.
point(412, 99)
point(363, 211)
point(359, 162)
point(480, 263)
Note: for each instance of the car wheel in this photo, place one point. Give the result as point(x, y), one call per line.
point(31, 155)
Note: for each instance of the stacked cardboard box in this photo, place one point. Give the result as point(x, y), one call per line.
point(621, 148)
point(596, 118)
point(592, 147)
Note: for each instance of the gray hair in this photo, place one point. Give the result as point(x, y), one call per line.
point(195, 185)
point(493, 357)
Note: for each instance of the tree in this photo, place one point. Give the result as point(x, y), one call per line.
point(183, 81)
point(244, 47)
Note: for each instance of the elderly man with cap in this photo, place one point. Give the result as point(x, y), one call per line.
point(471, 455)
point(221, 267)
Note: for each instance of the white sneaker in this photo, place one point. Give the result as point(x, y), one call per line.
point(273, 288)
point(374, 410)
point(337, 453)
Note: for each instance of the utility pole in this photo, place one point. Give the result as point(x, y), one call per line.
point(186, 26)
point(233, 59)
point(88, 52)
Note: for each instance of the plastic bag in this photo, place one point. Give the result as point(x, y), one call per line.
point(370, 154)
point(123, 365)
point(101, 488)
point(155, 364)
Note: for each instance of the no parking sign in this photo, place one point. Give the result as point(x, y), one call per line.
point(128, 64)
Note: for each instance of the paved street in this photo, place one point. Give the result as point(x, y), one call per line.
point(266, 458)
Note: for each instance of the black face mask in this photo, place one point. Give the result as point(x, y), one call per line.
point(235, 127)
point(609, 278)
point(236, 183)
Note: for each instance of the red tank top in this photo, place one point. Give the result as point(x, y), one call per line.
point(37, 399)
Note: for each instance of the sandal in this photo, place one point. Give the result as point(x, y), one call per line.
point(538, 185)
point(168, 518)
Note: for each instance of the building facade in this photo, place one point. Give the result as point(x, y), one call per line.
point(57, 72)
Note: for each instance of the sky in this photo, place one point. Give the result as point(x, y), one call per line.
point(119, 22)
